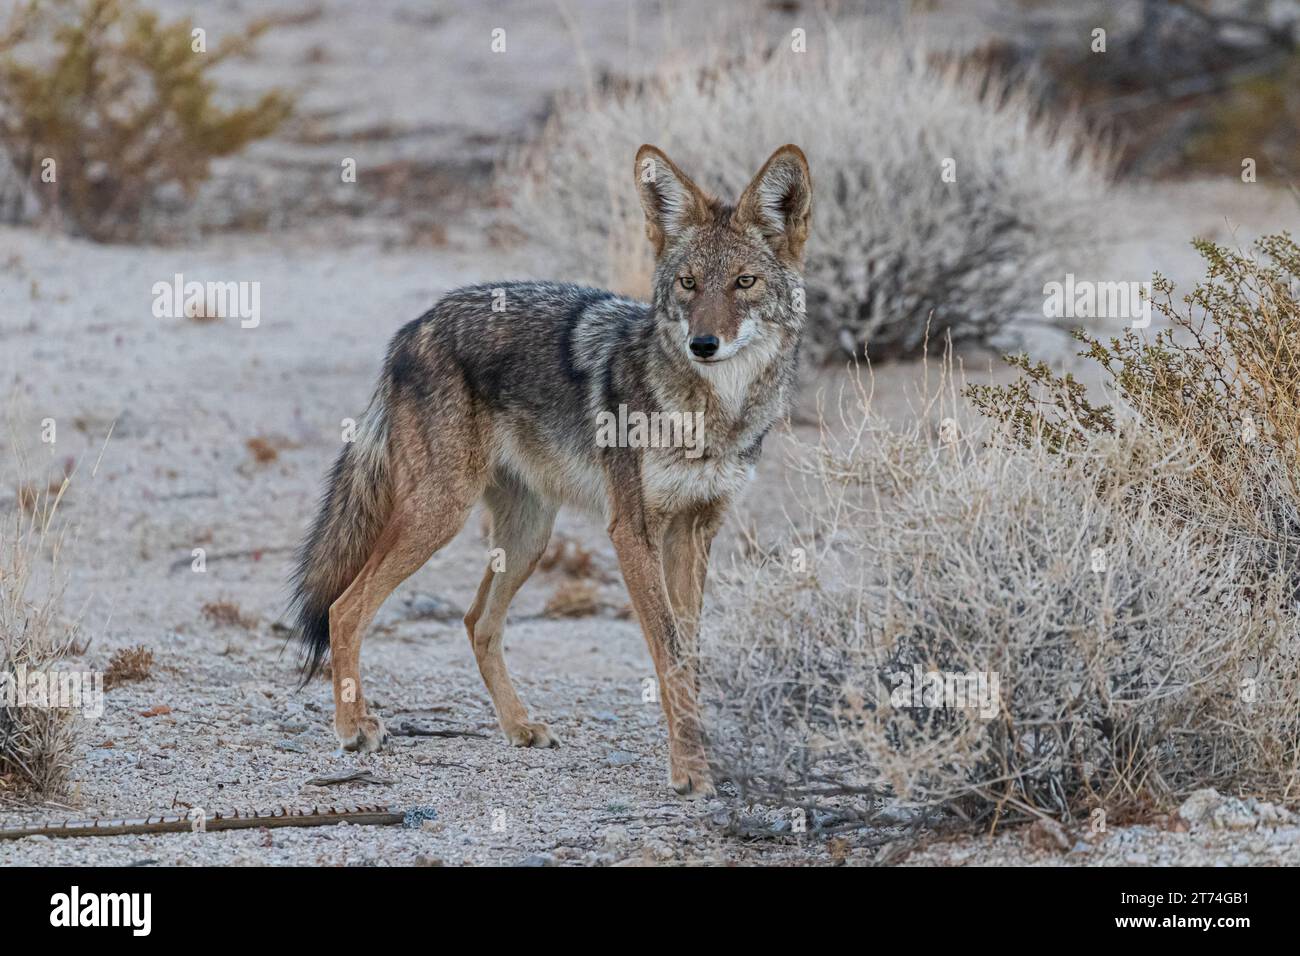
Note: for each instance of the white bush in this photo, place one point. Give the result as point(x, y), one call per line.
point(1138, 655)
point(892, 242)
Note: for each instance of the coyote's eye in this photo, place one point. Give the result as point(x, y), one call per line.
point(688, 282)
point(746, 281)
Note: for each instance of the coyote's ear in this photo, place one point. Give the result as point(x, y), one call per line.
point(671, 201)
point(779, 202)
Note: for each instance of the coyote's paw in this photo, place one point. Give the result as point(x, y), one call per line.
point(694, 786)
point(368, 737)
point(531, 735)
point(692, 778)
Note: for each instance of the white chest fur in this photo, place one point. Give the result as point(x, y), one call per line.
point(671, 481)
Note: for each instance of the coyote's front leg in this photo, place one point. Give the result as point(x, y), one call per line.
point(638, 539)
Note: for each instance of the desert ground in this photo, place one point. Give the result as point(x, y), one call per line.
point(220, 438)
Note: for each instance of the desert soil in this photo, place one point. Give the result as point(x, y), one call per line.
point(184, 399)
point(79, 344)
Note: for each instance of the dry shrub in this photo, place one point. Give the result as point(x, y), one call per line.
point(127, 665)
point(572, 557)
point(1128, 576)
point(1221, 377)
point(262, 450)
point(36, 742)
point(1135, 658)
point(892, 242)
point(574, 599)
point(228, 614)
point(122, 104)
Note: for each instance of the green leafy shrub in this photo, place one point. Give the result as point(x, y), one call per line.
point(123, 104)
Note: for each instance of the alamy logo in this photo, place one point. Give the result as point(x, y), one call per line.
point(103, 909)
point(179, 299)
point(654, 430)
point(61, 690)
point(1084, 299)
point(974, 690)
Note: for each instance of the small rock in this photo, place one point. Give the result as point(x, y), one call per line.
point(1046, 834)
point(1209, 808)
point(660, 850)
point(1270, 814)
point(537, 859)
point(617, 836)
point(1232, 814)
point(1198, 806)
point(619, 758)
point(608, 716)
point(420, 607)
point(419, 817)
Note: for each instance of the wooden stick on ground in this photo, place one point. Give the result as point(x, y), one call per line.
point(226, 820)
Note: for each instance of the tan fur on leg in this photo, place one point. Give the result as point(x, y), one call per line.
point(521, 527)
point(431, 508)
point(637, 540)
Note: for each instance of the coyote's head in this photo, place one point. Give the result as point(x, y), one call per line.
point(727, 278)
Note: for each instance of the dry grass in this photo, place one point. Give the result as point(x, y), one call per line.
point(1139, 651)
point(36, 742)
point(573, 558)
point(228, 614)
point(128, 665)
point(892, 241)
point(30, 496)
point(262, 449)
point(574, 599)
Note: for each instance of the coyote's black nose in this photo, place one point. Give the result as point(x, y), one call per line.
point(704, 345)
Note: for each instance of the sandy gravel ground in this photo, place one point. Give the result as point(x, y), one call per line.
point(393, 85)
point(178, 474)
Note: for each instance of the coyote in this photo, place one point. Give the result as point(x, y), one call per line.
point(495, 393)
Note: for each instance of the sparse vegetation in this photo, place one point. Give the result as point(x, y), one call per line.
point(122, 105)
point(573, 599)
point(1222, 377)
point(262, 450)
point(572, 557)
point(1127, 574)
point(894, 242)
point(228, 614)
point(36, 742)
point(128, 665)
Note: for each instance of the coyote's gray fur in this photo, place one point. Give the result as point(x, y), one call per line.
point(497, 394)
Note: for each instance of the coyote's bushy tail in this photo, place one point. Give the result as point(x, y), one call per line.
point(356, 503)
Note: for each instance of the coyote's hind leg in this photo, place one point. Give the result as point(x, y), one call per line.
point(433, 497)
